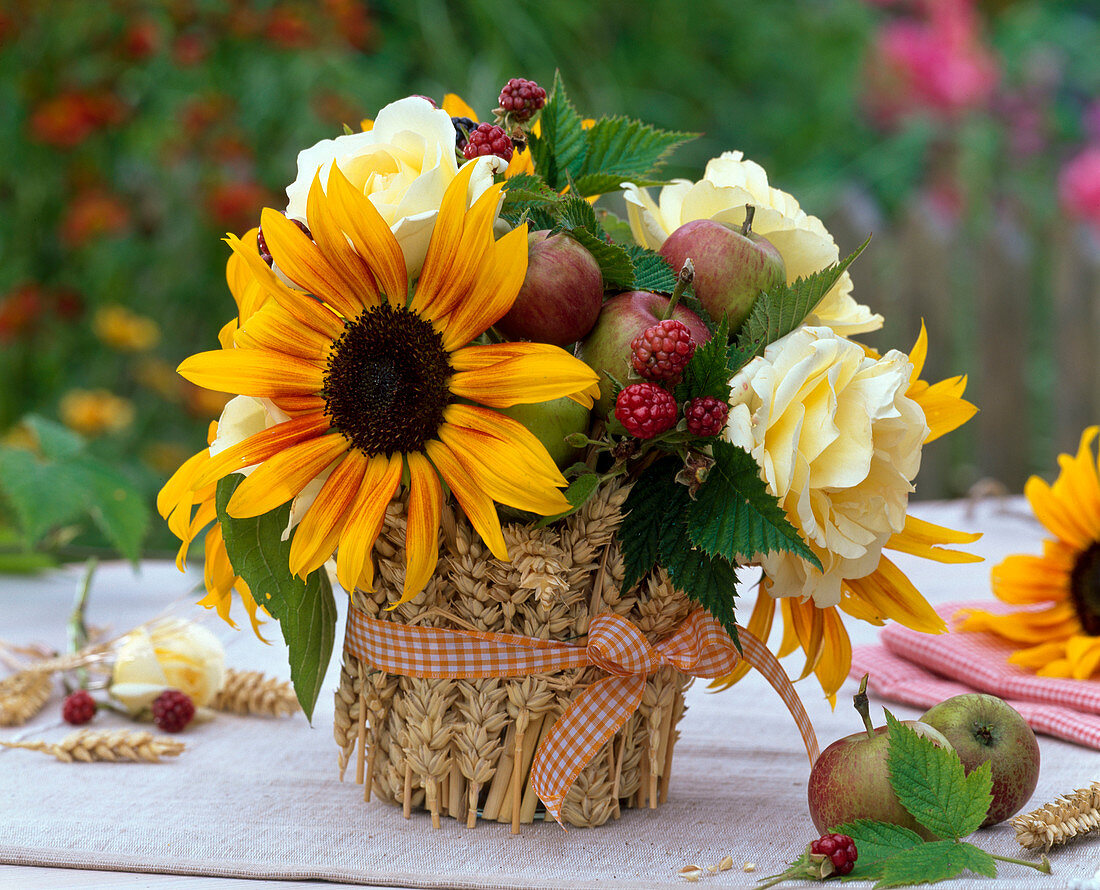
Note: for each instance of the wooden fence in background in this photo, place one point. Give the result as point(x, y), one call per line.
point(1016, 310)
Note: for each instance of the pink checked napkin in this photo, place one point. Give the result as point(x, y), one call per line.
point(924, 669)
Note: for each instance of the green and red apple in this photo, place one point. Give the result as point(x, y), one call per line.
point(551, 422)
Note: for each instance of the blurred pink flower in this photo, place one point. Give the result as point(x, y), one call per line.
point(938, 64)
point(1079, 186)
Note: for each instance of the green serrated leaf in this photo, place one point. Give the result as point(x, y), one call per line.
point(778, 312)
point(708, 374)
point(651, 271)
point(932, 862)
point(305, 610)
point(579, 491)
point(734, 517)
point(643, 512)
point(619, 230)
point(876, 842)
point(592, 185)
point(708, 580)
point(627, 148)
point(558, 152)
point(527, 191)
point(931, 783)
point(614, 262)
point(42, 495)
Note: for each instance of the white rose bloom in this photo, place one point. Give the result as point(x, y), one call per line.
point(729, 183)
point(244, 416)
point(172, 655)
point(404, 165)
point(839, 443)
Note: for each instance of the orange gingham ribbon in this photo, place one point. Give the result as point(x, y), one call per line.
point(699, 647)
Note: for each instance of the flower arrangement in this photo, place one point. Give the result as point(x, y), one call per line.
point(446, 321)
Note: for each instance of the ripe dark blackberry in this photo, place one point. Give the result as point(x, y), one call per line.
point(488, 139)
point(521, 98)
point(78, 708)
point(463, 127)
point(173, 710)
point(662, 351)
point(645, 410)
point(706, 416)
point(839, 848)
point(261, 242)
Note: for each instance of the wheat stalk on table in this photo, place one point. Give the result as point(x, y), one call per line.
point(23, 695)
point(1070, 816)
point(253, 693)
point(114, 746)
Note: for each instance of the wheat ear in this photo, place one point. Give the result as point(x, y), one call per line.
point(23, 695)
point(1072, 815)
point(89, 746)
point(253, 693)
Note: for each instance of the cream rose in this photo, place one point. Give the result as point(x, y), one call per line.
point(171, 655)
point(729, 183)
point(838, 442)
point(404, 165)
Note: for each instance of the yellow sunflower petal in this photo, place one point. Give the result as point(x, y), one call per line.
point(253, 372)
point(1055, 514)
point(893, 596)
point(1061, 669)
point(1022, 578)
point(836, 659)
point(283, 476)
point(497, 468)
point(760, 626)
point(919, 353)
point(455, 106)
point(318, 533)
point(1039, 626)
point(1034, 657)
point(1083, 653)
point(370, 236)
point(810, 631)
point(275, 329)
point(1079, 484)
point(354, 271)
point(925, 539)
point(477, 505)
point(536, 377)
point(437, 287)
point(853, 604)
point(425, 508)
point(354, 566)
point(789, 642)
point(180, 482)
point(501, 427)
point(261, 446)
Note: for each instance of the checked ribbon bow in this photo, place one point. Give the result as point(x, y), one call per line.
point(699, 647)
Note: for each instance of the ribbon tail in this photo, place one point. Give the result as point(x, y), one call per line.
point(589, 722)
point(761, 658)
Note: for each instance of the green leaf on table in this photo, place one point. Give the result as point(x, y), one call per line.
point(651, 270)
point(876, 842)
point(708, 373)
point(931, 783)
point(558, 151)
point(64, 485)
point(305, 610)
point(644, 512)
point(777, 312)
point(734, 516)
point(932, 862)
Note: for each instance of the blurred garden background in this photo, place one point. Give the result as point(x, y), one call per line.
point(965, 135)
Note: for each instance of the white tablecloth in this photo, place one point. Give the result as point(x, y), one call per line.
point(256, 798)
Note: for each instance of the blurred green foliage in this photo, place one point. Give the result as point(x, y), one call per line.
point(137, 133)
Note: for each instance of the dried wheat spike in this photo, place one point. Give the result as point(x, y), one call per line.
point(1070, 816)
point(89, 746)
point(251, 693)
point(23, 695)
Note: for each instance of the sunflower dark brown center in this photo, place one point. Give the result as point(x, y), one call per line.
point(386, 383)
point(1084, 586)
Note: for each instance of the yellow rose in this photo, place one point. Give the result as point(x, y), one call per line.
point(729, 183)
point(404, 164)
point(838, 442)
point(171, 655)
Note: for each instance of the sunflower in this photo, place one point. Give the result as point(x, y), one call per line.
point(1059, 630)
point(382, 384)
point(886, 593)
point(189, 512)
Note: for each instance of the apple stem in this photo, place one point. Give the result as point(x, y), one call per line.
point(1042, 865)
point(750, 212)
point(859, 701)
point(686, 276)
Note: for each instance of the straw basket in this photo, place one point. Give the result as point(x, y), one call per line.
point(463, 748)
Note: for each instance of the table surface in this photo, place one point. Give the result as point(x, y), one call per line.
point(255, 798)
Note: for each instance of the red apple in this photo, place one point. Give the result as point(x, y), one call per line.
point(561, 295)
point(607, 348)
point(551, 422)
point(732, 266)
point(983, 727)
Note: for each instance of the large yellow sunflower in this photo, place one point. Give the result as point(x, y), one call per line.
point(886, 593)
point(383, 385)
point(1059, 631)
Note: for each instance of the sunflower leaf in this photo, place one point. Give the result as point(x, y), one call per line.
point(734, 517)
point(305, 610)
point(777, 312)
